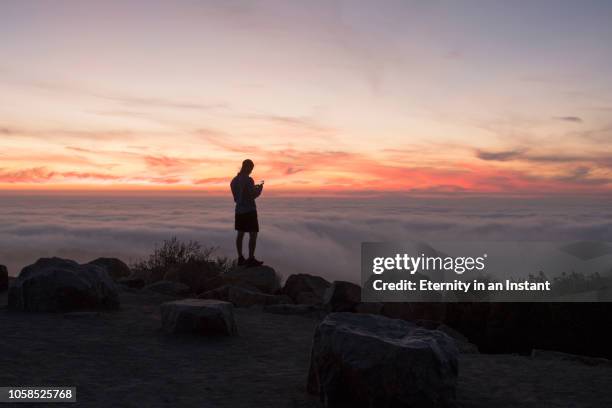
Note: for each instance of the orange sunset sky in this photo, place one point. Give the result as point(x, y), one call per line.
point(324, 96)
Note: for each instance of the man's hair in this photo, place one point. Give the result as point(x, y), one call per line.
point(247, 166)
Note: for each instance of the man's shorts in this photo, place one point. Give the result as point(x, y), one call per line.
point(247, 222)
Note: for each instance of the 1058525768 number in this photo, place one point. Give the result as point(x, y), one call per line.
point(37, 394)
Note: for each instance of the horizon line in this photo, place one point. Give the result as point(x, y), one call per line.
point(310, 192)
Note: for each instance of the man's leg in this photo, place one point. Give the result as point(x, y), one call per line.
point(239, 239)
point(252, 244)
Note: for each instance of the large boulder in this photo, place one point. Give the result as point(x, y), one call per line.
point(342, 296)
point(116, 268)
point(244, 297)
point(198, 316)
point(3, 278)
point(262, 278)
point(363, 360)
point(169, 288)
point(306, 289)
point(55, 284)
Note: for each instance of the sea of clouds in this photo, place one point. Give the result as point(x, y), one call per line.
point(298, 235)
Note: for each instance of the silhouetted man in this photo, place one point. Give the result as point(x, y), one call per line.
point(245, 191)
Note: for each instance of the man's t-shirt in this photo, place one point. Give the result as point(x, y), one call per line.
point(245, 192)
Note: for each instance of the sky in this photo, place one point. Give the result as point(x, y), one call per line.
point(325, 96)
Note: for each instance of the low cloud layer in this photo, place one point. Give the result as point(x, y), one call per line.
point(318, 236)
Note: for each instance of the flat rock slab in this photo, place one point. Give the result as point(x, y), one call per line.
point(199, 316)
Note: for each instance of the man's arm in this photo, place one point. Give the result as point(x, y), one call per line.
point(256, 189)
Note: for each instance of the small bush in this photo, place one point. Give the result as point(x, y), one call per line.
point(172, 253)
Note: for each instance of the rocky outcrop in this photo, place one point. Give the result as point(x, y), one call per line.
point(116, 268)
point(306, 289)
point(342, 296)
point(169, 288)
point(198, 316)
point(54, 285)
point(365, 360)
point(262, 278)
point(4, 283)
point(244, 297)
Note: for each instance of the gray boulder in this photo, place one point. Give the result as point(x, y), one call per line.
point(262, 278)
point(169, 288)
point(306, 289)
point(198, 316)
point(363, 360)
point(243, 297)
point(4, 281)
point(116, 268)
point(342, 296)
point(61, 285)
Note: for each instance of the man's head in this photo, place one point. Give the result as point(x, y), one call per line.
point(247, 166)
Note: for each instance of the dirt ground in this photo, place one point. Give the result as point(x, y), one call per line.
point(122, 359)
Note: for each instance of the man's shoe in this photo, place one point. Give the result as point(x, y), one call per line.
point(253, 262)
point(241, 260)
